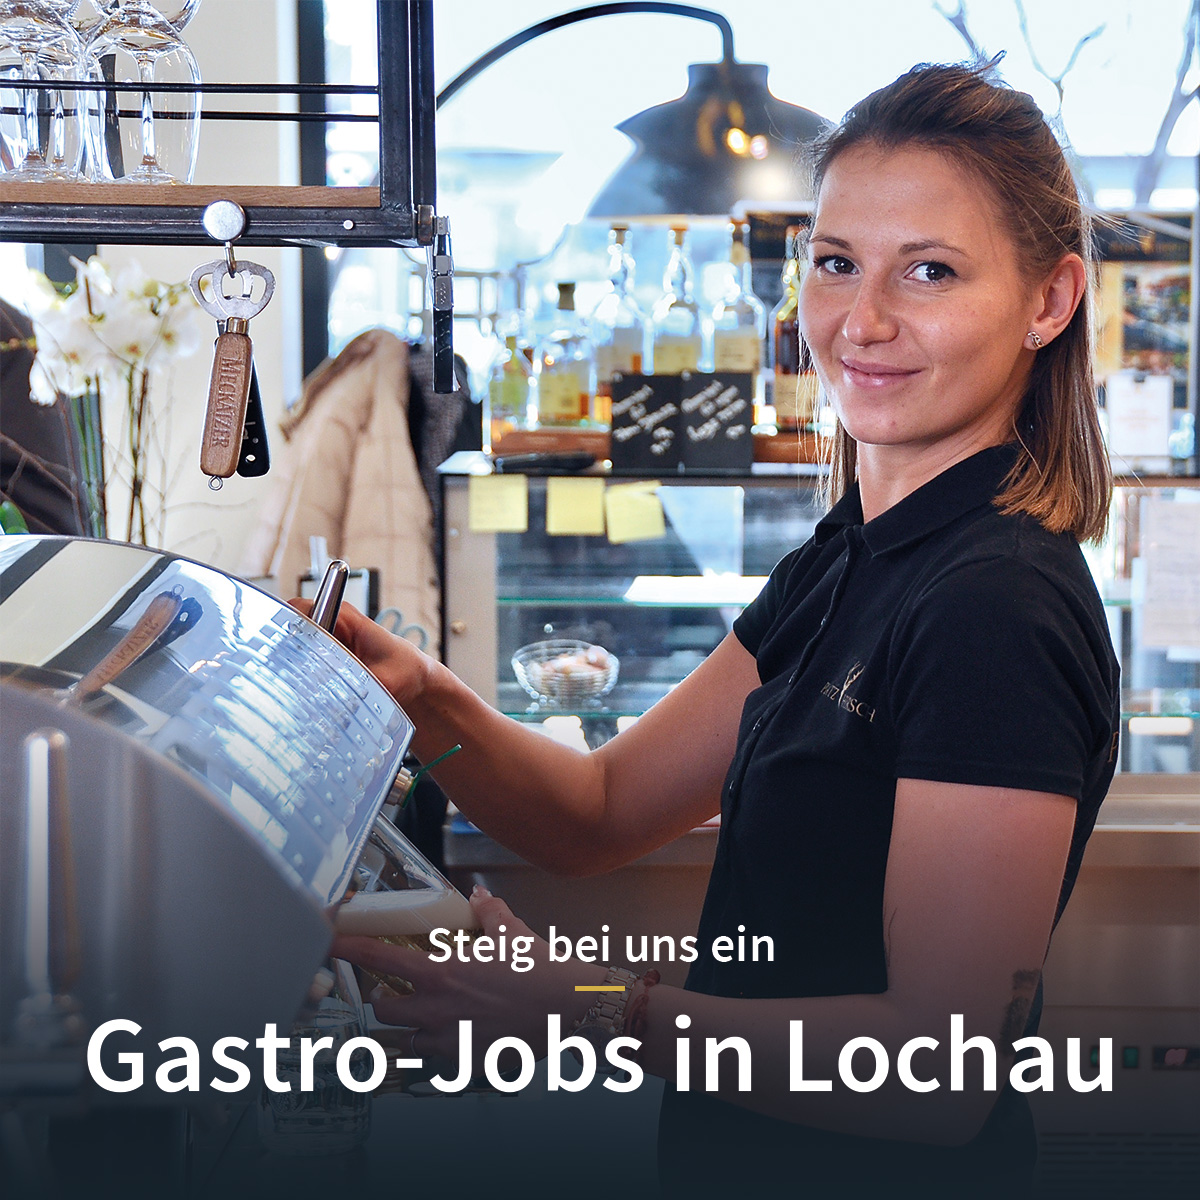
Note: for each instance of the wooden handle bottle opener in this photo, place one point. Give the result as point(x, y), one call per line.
point(228, 394)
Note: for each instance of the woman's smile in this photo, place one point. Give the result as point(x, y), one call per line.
point(862, 373)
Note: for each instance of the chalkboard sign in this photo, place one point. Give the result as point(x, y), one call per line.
point(646, 423)
point(716, 412)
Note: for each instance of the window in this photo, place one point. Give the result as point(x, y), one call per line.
point(524, 146)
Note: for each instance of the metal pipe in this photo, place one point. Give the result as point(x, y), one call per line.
point(216, 89)
point(45, 753)
point(510, 44)
point(47, 1015)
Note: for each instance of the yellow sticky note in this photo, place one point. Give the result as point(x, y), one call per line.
point(1110, 325)
point(634, 512)
point(498, 503)
point(574, 505)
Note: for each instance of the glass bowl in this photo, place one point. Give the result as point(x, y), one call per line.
point(565, 672)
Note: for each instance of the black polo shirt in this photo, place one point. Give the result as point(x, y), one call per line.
point(942, 640)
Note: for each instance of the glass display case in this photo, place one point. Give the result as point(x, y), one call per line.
point(660, 605)
point(1149, 576)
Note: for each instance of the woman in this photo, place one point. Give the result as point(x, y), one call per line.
point(908, 734)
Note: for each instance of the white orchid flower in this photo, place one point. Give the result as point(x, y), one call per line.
point(131, 334)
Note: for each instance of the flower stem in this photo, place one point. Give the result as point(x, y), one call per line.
point(143, 452)
point(101, 475)
point(131, 412)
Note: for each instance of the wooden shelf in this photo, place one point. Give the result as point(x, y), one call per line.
point(554, 441)
point(786, 448)
point(768, 447)
point(189, 195)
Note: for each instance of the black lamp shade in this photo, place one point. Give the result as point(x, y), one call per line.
point(726, 139)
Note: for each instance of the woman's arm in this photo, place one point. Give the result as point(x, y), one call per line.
point(569, 811)
point(972, 884)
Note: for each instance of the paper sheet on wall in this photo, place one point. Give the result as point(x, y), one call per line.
point(1139, 414)
point(1171, 550)
point(574, 506)
point(634, 512)
point(498, 503)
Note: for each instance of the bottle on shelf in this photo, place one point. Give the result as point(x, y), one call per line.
point(739, 319)
point(564, 368)
point(794, 383)
point(508, 391)
point(678, 331)
point(618, 324)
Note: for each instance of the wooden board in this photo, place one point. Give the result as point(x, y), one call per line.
point(188, 194)
point(786, 448)
point(768, 447)
point(554, 441)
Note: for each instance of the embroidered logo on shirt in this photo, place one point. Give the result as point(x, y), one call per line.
point(842, 697)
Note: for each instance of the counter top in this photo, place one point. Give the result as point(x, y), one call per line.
point(1146, 820)
point(475, 462)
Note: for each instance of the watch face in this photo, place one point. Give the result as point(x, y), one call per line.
point(596, 1035)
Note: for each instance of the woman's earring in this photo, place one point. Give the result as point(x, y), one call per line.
point(1035, 338)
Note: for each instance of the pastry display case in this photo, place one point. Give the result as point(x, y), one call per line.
point(660, 604)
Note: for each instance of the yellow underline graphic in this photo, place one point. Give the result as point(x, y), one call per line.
point(599, 987)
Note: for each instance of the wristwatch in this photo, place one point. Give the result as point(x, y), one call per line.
point(605, 1020)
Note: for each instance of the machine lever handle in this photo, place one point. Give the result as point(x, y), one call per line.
point(329, 595)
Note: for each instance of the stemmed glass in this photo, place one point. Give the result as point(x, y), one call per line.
point(85, 16)
point(138, 31)
point(36, 43)
point(177, 13)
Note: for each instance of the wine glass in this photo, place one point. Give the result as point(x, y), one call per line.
point(136, 43)
point(60, 8)
point(36, 43)
point(85, 15)
point(177, 13)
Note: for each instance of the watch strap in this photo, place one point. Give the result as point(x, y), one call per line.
point(608, 1011)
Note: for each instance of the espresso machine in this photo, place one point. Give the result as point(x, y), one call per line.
point(191, 772)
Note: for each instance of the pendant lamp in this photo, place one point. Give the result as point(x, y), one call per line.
point(724, 140)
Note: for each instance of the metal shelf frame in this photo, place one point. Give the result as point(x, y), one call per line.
point(399, 213)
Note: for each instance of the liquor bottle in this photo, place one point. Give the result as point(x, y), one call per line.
point(739, 319)
point(618, 324)
point(508, 391)
point(563, 367)
point(678, 332)
point(793, 379)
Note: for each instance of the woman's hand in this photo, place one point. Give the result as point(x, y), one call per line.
point(394, 661)
point(498, 1000)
